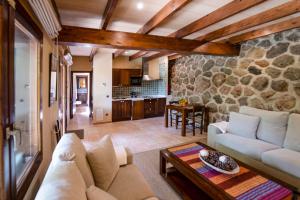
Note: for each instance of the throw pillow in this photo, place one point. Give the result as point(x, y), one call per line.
point(95, 193)
point(243, 125)
point(103, 162)
point(272, 126)
point(292, 140)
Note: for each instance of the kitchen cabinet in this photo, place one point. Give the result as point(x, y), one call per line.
point(161, 104)
point(121, 77)
point(116, 77)
point(150, 108)
point(138, 109)
point(154, 107)
point(121, 110)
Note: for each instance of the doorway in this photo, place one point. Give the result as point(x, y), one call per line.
point(81, 94)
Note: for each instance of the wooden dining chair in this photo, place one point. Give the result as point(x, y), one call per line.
point(196, 117)
point(174, 115)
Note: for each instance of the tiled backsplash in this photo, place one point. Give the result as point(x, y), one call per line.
point(155, 87)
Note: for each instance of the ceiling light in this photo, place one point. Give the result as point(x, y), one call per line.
point(140, 5)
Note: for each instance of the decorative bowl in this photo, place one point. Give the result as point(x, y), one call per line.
point(218, 169)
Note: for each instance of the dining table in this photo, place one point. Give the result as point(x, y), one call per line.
point(184, 110)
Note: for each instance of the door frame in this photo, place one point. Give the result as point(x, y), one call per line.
point(8, 16)
point(90, 92)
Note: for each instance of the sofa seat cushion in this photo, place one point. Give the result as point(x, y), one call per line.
point(95, 193)
point(71, 144)
point(251, 147)
point(129, 184)
point(272, 126)
point(63, 180)
point(284, 159)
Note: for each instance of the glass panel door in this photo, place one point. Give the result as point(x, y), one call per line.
point(26, 105)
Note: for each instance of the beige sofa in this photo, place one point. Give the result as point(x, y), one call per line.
point(128, 184)
point(275, 149)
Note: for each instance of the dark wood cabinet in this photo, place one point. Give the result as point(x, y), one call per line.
point(116, 77)
point(161, 104)
point(150, 108)
point(121, 110)
point(154, 107)
point(137, 110)
point(121, 77)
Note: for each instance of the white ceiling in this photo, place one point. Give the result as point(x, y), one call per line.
point(80, 50)
point(126, 17)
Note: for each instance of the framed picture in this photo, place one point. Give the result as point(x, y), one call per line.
point(54, 62)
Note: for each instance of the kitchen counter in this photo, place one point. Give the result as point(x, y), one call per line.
point(139, 98)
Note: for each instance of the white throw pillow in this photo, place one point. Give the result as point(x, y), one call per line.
point(70, 144)
point(243, 125)
point(62, 181)
point(272, 126)
point(103, 162)
point(95, 193)
point(292, 140)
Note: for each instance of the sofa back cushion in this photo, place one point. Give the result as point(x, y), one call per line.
point(71, 144)
point(62, 181)
point(272, 126)
point(243, 125)
point(292, 139)
point(104, 163)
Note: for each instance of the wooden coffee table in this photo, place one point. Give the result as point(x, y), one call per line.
point(181, 167)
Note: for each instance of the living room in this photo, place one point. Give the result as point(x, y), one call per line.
point(147, 100)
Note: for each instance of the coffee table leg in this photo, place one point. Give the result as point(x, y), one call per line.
point(163, 165)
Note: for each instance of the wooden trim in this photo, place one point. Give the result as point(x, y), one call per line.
point(162, 15)
point(220, 14)
point(108, 12)
point(92, 54)
point(274, 28)
point(25, 19)
point(283, 10)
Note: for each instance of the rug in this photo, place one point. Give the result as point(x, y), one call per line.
point(148, 163)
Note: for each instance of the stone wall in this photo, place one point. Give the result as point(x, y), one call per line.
point(265, 75)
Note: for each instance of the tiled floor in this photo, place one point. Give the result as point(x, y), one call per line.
point(138, 136)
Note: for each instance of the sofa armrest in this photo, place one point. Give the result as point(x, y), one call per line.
point(215, 129)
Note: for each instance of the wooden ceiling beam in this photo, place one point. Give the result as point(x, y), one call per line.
point(162, 15)
point(138, 55)
point(73, 36)
point(271, 29)
point(123, 40)
point(108, 12)
point(218, 15)
point(272, 14)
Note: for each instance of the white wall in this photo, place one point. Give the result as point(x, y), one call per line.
point(102, 87)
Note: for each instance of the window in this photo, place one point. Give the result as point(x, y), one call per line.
point(26, 101)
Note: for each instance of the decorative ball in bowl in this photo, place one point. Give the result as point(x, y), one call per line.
point(219, 161)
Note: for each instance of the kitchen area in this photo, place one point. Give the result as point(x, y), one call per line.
point(139, 89)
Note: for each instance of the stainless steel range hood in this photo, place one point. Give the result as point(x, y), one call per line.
point(146, 72)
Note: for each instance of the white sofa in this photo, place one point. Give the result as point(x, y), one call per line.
point(274, 149)
point(70, 180)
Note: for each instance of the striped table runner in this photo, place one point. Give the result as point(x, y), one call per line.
point(245, 185)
